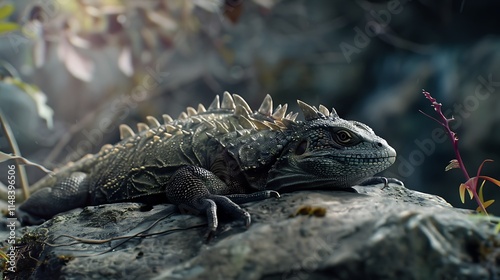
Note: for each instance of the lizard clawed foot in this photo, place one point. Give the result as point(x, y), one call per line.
point(209, 205)
point(233, 209)
point(198, 191)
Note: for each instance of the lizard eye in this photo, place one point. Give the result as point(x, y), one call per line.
point(301, 148)
point(343, 136)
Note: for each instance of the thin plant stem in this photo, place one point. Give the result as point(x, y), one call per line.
point(23, 178)
point(445, 122)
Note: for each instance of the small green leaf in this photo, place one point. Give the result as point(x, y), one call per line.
point(6, 10)
point(488, 203)
point(8, 27)
point(462, 192)
point(481, 198)
point(485, 205)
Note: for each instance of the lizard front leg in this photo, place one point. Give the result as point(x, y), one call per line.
point(198, 190)
point(68, 193)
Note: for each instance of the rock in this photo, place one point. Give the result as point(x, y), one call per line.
point(376, 233)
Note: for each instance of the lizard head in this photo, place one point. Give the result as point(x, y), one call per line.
point(328, 151)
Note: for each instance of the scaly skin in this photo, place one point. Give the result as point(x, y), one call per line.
point(217, 158)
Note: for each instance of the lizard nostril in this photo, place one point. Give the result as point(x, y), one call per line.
point(380, 145)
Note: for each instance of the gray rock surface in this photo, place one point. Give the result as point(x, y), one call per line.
point(376, 233)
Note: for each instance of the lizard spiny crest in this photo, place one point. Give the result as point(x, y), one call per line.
point(273, 150)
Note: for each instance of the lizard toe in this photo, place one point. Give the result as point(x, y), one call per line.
point(274, 194)
point(228, 206)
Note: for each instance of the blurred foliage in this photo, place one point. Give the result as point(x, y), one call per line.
point(40, 99)
point(139, 30)
point(5, 11)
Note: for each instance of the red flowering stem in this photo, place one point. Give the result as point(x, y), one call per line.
point(445, 122)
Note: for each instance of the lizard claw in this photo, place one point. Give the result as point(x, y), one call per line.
point(248, 219)
point(209, 235)
point(274, 194)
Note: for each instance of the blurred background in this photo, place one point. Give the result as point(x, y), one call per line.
point(72, 71)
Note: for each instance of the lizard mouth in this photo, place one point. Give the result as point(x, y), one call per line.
point(392, 159)
point(292, 178)
point(296, 182)
point(331, 172)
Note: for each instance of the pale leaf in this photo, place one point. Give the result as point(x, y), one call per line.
point(39, 53)
point(79, 41)
point(210, 6)
point(79, 66)
point(165, 21)
point(44, 111)
point(125, 62)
